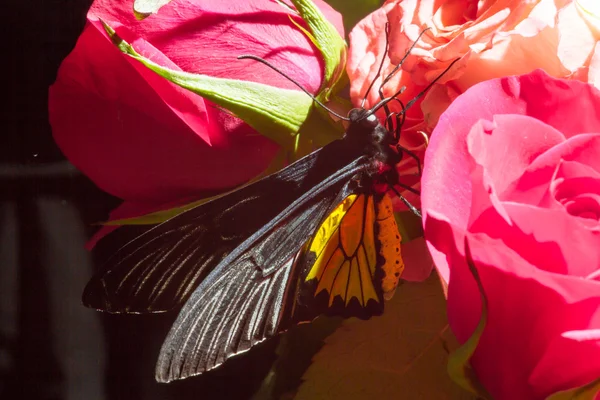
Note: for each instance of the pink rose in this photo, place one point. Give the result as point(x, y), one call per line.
point(148, 141)
point(493, 38)
point(513, 169)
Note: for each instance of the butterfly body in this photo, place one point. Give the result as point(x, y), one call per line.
point(318, 237)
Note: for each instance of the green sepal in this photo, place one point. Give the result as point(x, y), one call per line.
point(329, 42)
point(158, 217)
point(459, 361)
point(317, 131)
point(145, 8)
point(276, 113)
point(586, 392)
point(354, 10)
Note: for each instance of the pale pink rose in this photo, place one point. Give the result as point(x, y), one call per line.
point(492, 38)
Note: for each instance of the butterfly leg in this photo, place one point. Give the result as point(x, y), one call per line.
point(412, 208)
point(400, 118)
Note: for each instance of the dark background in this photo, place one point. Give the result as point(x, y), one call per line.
point(51, 347)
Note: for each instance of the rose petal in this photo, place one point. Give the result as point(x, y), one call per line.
point(441, 237)
point(564, 353)
point(541, 16)
point(143, 139)
point(366, 53)
point(136, 147)
point(505, 147)
point(205, 37)
point(593, 76)
point(453, 13)
point(513, 54)
point(542, 304)
point(417, 261)
point(446, 180)
point(576, 41)
point(555, 102)
point(584, 335)
point(542, 236)
point(367, 49)
point(550, 239)
point(533, 186)
point(186, 105)
point(484, 195)
point(436, 101)
point(576, 187)
point(446, 173)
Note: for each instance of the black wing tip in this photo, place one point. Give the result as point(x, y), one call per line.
point(164, 371)
point(96, 296)
point(167, 370)
point(171, 367)
point(314, 306)
point(169, 375)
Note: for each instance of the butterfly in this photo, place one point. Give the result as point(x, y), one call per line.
point(318, 237)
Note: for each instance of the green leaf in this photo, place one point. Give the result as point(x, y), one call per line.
point(399, 355)
point(354, 10)
point(274, 112)
point(459, 366)
point(294, 355)
point(317, 131)
point(586, 392)
point(409, 225)
point(145, 8)
point(329, 42)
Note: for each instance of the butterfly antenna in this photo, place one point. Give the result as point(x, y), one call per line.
point(387, 32)
point(384, 101)
point(265, 62)
point(389, 123)
point(418, 96)
point(399, 65)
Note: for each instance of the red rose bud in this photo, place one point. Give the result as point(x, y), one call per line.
point(144, 139)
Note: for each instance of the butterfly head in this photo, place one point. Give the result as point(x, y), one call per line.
point(375, 141)
point(366, 118)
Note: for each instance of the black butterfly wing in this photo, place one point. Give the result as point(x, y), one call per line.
point(159, 269)
point(249, 295)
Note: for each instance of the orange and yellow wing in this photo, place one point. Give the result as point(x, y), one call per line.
point(356, 253)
